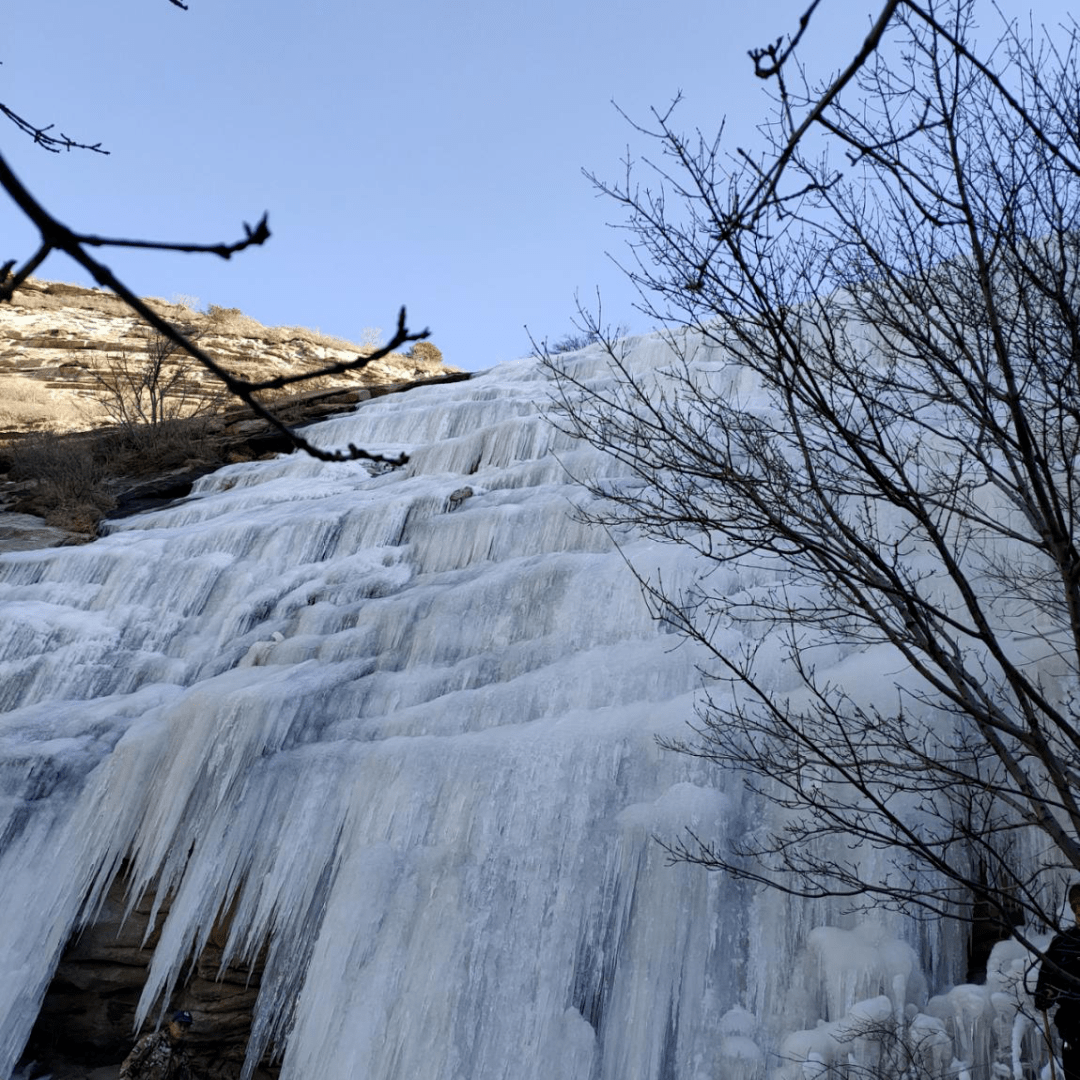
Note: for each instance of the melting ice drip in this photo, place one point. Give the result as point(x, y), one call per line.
point(404, 725)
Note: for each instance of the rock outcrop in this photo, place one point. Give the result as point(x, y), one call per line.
point(86, 1024)
point(53, 337)
point(57, 340)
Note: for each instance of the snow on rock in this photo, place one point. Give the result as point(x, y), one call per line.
point(739, 1056)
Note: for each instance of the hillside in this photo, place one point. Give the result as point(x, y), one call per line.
point(54, 336)
point(68, 359)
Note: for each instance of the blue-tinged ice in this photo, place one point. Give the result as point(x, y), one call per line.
point(404, 726)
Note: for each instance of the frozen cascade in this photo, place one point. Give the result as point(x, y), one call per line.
point(403, 725)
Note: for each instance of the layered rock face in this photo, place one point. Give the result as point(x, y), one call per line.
point(86, 1021)
point(75, 441)
point(53, 337)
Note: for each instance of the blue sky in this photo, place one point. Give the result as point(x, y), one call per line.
point(416, 152)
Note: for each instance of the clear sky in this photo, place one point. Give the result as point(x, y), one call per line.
point(418, 152)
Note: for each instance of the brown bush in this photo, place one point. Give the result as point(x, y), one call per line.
point(71, 479)
point(69, 475)
point(427, 354)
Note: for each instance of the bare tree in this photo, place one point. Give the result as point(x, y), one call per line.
point(144, 392)
point(56, 236)
point(897, 274)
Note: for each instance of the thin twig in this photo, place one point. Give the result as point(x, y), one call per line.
point(56, 236)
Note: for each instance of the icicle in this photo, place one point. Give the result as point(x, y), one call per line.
point(407, 741)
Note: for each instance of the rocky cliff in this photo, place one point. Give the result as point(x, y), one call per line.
point(65, 462)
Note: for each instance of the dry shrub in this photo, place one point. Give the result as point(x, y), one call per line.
point(426, 354)
point(233, 321)
point(69, 474)
point(186, 301)
point(168, 445)
point(158, 385)
point(72, 478)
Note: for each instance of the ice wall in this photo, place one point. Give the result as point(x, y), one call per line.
point(404, 723)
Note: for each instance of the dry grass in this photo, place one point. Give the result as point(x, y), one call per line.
point(19, 396)
point(27, 405)
point(24, 404)
point(231, 322)
point(69, 477)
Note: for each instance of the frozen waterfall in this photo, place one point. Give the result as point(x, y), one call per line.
point(401, 726)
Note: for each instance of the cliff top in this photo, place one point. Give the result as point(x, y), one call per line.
point(54, 338)
point(99, 414)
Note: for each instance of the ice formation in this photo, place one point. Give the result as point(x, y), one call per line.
point(405, 725)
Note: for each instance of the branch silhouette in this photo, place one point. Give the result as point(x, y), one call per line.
point(56, 236)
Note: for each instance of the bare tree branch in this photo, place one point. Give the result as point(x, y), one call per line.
point(55, 236)
point(771, 58)
point(909, 493)
point(56, 143)
point(252, 237)
point(43, 138)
